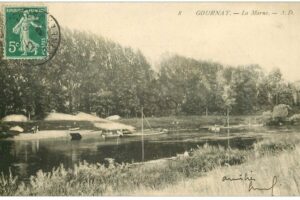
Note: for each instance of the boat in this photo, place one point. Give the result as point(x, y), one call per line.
point(75, 136)
point(112, 134)
point(148, 132)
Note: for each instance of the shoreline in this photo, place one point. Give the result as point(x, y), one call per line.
point(262, 170)
point(65, 134)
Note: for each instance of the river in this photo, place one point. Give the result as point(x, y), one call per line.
point(25, 158)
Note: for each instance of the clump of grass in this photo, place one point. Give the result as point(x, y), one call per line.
point(276, 145)
point(284, 166)
point(8, 184)
point(207, 158)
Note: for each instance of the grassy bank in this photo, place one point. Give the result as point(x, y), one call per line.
point(190, 122)
point(283, 168)
point(124, 179)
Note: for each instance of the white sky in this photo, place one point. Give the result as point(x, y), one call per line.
point(270, 41)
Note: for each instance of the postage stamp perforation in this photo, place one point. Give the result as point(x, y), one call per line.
point(29, 21)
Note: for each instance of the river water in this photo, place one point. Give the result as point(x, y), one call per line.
point(25, 158)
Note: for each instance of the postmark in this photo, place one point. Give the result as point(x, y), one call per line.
point(31, 35)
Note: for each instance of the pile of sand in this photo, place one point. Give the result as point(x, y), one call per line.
point(114, 126)
point(15, 118)
point(97, 121)
point(113, 117)
point(79, 117)
point(17, 129)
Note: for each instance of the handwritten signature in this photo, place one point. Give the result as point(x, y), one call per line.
point(246, 177)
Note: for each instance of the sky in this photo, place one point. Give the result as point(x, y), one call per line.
point(156, 29)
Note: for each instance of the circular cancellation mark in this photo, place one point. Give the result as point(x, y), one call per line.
point(54, 38)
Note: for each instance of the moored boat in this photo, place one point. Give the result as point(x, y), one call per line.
point(149, 132)
point(112, 134)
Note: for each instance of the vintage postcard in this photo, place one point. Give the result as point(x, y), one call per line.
point(149, 99)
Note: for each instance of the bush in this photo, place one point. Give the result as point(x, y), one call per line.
point(295, 118)
point(266, 117)
point(205, 159)
point(279, 115)
point(276, 145)
point(280, 112)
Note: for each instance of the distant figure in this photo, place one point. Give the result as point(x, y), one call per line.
point(35, 129)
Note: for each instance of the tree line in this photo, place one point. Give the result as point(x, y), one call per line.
point(95, 75)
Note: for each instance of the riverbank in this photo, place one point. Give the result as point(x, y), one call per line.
point(191, 122)
point(276, 175)
point(53, 134)
point(55, 128)
point(157, 177)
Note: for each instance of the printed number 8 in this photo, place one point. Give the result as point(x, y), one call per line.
point(12, 47)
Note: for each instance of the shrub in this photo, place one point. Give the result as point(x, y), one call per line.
point(266, 117)
point(276, 145)
point(295, 118)
point(278, 116)
point(205, 159)
point(280, 112)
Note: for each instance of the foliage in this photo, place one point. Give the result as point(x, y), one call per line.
point(207, 158)
point(280, 112)
point(295, 118)
point(278, 116)
point(8, 184)
point(266, 117)
point(274, 146)
point(92, 74)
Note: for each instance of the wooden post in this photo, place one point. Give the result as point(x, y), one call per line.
point(143, 153)
point(228, 145)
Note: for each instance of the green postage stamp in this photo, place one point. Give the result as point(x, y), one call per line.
point(25, 32)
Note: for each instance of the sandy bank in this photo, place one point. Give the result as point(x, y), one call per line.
point(97, 121)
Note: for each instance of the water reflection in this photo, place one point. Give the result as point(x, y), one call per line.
point(25, 158)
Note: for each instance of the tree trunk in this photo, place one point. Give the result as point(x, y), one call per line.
point(143, 153)
point(70, 103)
point(228, 144)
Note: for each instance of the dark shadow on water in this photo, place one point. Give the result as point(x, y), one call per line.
point(25, 158)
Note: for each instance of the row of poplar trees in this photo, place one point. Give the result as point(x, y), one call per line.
point(95, 75)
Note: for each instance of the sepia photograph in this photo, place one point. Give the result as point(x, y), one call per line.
point(149, 99)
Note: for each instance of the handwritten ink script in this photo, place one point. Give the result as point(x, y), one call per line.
point(251, 180)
